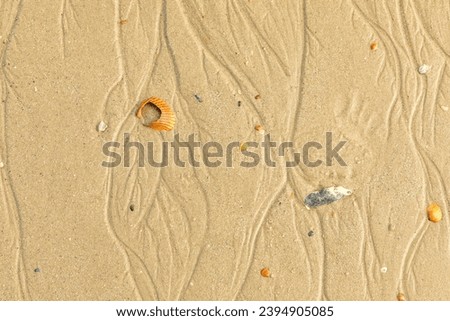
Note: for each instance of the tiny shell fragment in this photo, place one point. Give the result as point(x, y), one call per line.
point(259, 128)
point(101, 127)
point(326, 196)
point(401, 297)
point(424, 69)
point(2, 165)
point(265, 272)
point(434, 212)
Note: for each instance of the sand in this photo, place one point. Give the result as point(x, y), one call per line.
point(72, 229)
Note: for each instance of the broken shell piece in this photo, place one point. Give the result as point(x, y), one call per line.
point(424, 69)
point(167, 119)
point(259, 128)
point(2, 164)
point(265, 272)
point(326, 196)
point(434, 212)
point(101, 127)
point(401, 297)
point(444, 108)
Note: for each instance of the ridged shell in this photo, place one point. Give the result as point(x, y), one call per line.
point(167, 119)
point(434, 212)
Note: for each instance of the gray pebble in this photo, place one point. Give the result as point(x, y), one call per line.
point(326, 196)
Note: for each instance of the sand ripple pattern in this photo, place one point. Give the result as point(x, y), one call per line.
point(13, 271)
point(205, 233)
point(211, 245)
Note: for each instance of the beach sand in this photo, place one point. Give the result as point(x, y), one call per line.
point(74, 229)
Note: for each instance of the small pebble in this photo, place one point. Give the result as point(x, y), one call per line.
point(424, 69)
point(258, 97)
point(37, 270)
point(383, 269)
point(311, 233)
point(444, 108)
point(239, 103)
point(373, 45)
point(101, 127)
point(2, 165)
point(326, 196)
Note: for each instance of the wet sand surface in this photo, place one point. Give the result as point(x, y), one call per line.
point(72, 229)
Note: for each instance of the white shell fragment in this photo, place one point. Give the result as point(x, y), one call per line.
point(424, 69)
point(2, 164)
point(326, 196)
point(101, 127)
point(444, 108)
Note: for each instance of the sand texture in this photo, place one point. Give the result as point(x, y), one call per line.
point(375, 74)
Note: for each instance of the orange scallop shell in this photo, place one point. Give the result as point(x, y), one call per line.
point(167, 119)
point(434, 212)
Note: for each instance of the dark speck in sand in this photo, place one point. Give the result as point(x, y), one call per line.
point(199, 99)
point(311, 233)
point(37, 270)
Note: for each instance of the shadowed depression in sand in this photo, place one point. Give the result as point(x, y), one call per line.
point(375, 74)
